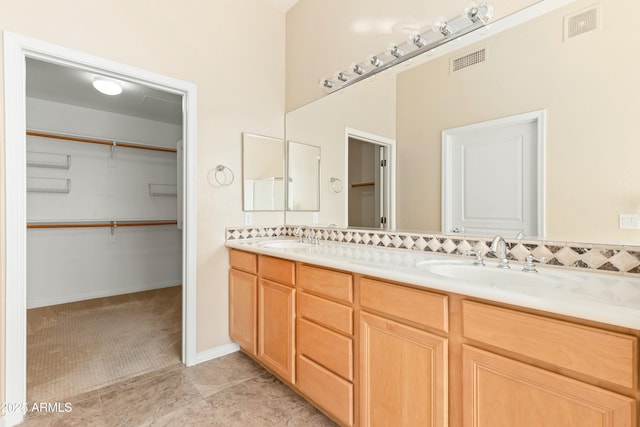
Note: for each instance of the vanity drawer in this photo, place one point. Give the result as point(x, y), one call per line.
point(325, 347)
point(601, 354)
point(328, 390)
point(331, 284)
point(244, 261)
point(325, 312)
point(417, 306)
point(276, 269)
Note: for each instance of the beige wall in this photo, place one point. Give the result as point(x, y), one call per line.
point(367, 106)
point(589, 87)
point(326, 36)
point(232, 50)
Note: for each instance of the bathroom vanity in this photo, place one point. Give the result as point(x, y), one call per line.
point(376, 336)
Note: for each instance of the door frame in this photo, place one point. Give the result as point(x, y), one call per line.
point(16, 49)
point(538, 117)
point(391, 164)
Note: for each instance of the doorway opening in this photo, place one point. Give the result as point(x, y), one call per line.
point(17, 50)
point(370, 180)
point(104, 231)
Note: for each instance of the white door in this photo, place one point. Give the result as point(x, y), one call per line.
point(492, 177)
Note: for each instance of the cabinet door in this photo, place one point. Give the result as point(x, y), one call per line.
point(403, 377)
point(501, 392)
point(242, 309)
point(276, 318)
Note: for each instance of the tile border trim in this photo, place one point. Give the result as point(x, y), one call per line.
point(620, 259)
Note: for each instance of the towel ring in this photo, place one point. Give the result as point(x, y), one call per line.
point(222, 176)
point(335, 184)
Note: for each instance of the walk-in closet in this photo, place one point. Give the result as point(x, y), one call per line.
point(104, 230)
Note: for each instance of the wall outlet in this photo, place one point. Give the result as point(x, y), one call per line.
point(630, 221)
point(315, 217)
point(248, 218)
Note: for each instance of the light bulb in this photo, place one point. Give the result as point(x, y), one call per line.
point(358, 69)
point(375, 61)
point(394, 50)
point(107, 87)
point(342, 76)
point(418, 40)
point(327, 84)
point(442, 27)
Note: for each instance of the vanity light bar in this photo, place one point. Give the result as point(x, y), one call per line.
point(474, 17)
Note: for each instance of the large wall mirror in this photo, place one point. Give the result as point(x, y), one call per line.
point(303, 175)
point(263, 186)
point(586, 85)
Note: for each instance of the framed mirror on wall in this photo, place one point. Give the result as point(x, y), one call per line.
point(303, 176)
point(592, 105)
point(263, 173)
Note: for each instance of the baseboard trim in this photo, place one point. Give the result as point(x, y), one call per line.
point(216, 352)
point(101, 294)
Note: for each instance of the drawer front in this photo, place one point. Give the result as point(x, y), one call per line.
point(327, 348)
point(421, 307)
point(244, 261)
point(278, 270)
point(327, 283)
point(325, 312)
point(600, 354)
point(328, 390)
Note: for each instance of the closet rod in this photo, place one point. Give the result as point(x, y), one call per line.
point(100, 224)
point(101, 142)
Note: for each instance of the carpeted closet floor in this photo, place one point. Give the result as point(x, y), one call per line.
point(83, 346)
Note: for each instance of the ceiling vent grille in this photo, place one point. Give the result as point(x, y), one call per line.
point(468, 60)
point(582, 22)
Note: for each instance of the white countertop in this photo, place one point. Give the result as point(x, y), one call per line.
point(607, 298)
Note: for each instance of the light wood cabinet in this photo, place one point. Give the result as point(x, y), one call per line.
point(500, 392)
point(370, 352)
point(262, 310)
point(403, 375)
point(601, 354)
point(276, 328)
point(243, 293)
point(243, 322)
point(325, 340)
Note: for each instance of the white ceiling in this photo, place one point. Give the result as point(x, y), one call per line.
point(74, 86)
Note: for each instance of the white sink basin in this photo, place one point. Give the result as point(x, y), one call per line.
point(284, 244)
point(430, 263)
point(502, 277)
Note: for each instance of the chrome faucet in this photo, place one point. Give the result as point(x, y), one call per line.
point(299, 232)
point(499, 249)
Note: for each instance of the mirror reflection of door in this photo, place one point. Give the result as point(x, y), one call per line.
point(368, 186)
point(492, 176)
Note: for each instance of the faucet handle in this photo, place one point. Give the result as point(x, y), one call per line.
point(478, 261)
point(529, 266)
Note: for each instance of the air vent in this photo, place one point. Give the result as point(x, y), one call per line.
point(473, 58)
point(582, 22)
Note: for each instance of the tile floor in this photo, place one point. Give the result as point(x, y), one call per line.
point(229, 391)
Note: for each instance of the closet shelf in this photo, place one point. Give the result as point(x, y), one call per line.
point(101, 142)
point(98, 224)
point(48, 185)
point(37, 159)
point(163, 190)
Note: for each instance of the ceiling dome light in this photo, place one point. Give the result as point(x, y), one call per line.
point(108, 87)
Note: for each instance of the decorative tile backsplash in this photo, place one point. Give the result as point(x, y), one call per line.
point(599, 257)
